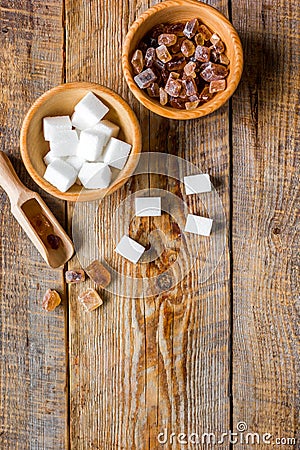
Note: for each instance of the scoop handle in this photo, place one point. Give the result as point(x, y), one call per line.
point(9, 180)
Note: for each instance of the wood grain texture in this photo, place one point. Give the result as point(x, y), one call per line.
point(266, 221)
point(107, 355)
point(192, 320)
point(138, 366)
point(32, 343)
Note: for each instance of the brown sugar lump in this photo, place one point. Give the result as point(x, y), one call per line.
point(190, 86)
point(173, 85)
point(214, 72)
point(202, 53)
point(163, 54)
point(98, 273)
point(145, 78)
point(153, 90)
point(205, 32)
point(90, 299)
point(137, 61)
point(219, 47)
point(41, 224)
point(199, 39)
point(217, 86)
point(51, 300)
point(191, 28)
point(187, 48)
point(167, 39)
point(177, 63)
point(150, 57)
point(223, 59)
point(189, 69)
point(75, 276)
point(191, 105)
point(163, 97)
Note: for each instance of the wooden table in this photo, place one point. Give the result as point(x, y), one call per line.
point(204, 356)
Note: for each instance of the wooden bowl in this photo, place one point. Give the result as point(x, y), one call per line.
point(173, 11)
point(61, 101)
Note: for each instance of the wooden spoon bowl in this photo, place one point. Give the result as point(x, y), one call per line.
point(28, 207)
point(61, 101)
point(173, 11)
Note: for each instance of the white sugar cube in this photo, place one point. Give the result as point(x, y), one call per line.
point(80, 122)
point(148, 206)
point(49, 157)
point(116, 153)
point(61, 175)
point(106, 128)
point(76, 162)
point(93, 140)
point(91, 145)
point(64, 143)
point(198, 225)
point(197, 184)
point(91, 108)
point(95, 175)
point(130, 249)
point(53, 124)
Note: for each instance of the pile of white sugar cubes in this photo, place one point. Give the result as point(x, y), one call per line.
point(83, 148)
point(151, 206)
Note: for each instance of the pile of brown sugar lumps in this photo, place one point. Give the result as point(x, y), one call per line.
point(182, 64)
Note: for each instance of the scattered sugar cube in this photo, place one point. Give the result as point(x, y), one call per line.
point(49, 157)
point(61, 175)
point(95, 175)
point(76, 162)
point(53, 124)
point(51, 300)
point(147, 206)
point(75, 276)
point(91, 108)
point(196, 184)
point(130, 249)
point(116, 153)
point(90, 299)
point(198, 225)
point(91, 145)
point(64, 143)
point(99, 274)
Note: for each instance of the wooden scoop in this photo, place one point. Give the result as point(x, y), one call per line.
point(35, 218)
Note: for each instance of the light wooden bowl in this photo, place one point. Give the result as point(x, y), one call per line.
point(61, 101)
point(173, 11)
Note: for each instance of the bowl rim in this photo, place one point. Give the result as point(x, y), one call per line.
point(168, 111)
point(93, 194)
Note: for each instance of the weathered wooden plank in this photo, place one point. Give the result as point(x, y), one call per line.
point(33, 406)
point(192, 351)
point(266, 221)
point(139, 366)
point(107, 375)
point(107, 368)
